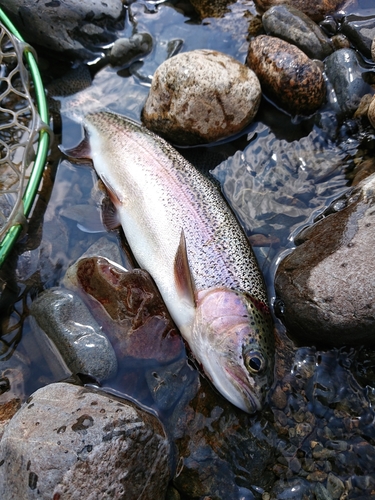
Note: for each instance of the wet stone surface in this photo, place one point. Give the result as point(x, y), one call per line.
point(315, 11)
point(345, 92)
point(129, 309)
point(77, 26)
point(201, 96)
point(77, 441)
point(292, 80)
point(295, 27)
point(69, 325)
point(327, 282)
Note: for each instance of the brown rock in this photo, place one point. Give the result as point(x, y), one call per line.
point(292, 80)
point(371, 112)
point(315, 10)
point(7, 410)
point(128, 306)
point(211, 8)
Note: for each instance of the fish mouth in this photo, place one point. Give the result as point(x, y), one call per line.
point(251, 402)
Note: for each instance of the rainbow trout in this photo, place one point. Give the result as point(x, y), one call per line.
point(182, 232)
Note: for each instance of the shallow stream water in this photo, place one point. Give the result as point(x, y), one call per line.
point(301, 165)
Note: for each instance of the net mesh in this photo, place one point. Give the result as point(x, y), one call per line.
point(18, 130)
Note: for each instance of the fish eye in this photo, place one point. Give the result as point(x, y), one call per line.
point(254, 362)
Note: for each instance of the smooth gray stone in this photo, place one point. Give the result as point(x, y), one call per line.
point(360, 31)
point(78, 443)
point(347, 87)
point(71, 328)
point(327, 284)
point(72, 27)
point(295, 27)
point(126, 50)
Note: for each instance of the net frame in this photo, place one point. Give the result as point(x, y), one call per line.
point(27, 193)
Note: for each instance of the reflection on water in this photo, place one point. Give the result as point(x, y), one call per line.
point(277, 176)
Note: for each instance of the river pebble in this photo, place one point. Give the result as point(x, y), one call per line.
point(292, 80)
point(226, 449)
point(327, 284)
point(201, 96)
point(360, 31)
point(293, 26)
point(315, 11)
point(68, 324)
point(127, 50)
point(347, 86)
point(77, 443)
point(72, 27)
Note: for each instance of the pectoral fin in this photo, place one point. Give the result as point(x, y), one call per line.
point(182, 275)
point(80, 152)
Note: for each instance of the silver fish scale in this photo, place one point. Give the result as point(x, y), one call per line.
point(219, 253)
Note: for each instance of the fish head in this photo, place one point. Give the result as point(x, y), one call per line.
point(233, 340)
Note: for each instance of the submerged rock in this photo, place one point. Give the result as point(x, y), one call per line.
point(72, 27)
point(127, 50)
point(62, 322)
point(211, 8)
point(347, 86)
point(274, 185)
point(315, 10)
point(78, 443)
point(129, 309)
point(327, 284)
point(293, 26)
point(201, 96)
point(292, 80)
point(371, 112)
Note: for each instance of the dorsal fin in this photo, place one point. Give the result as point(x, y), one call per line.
point(182, 274)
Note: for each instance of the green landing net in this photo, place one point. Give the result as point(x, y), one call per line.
point(24, 133)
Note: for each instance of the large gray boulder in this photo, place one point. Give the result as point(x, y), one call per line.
point(70, 442)
point(327, 284)
point(74, 27)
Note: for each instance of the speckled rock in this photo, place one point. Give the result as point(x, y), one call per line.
point(327, 284)
point(293, 26)
point(292, 80)
point(315, 10)
point(373, 49)
point(201, 96)
point(72, 27)
point(346, 85)
point(78, 443)
point(62, 322)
